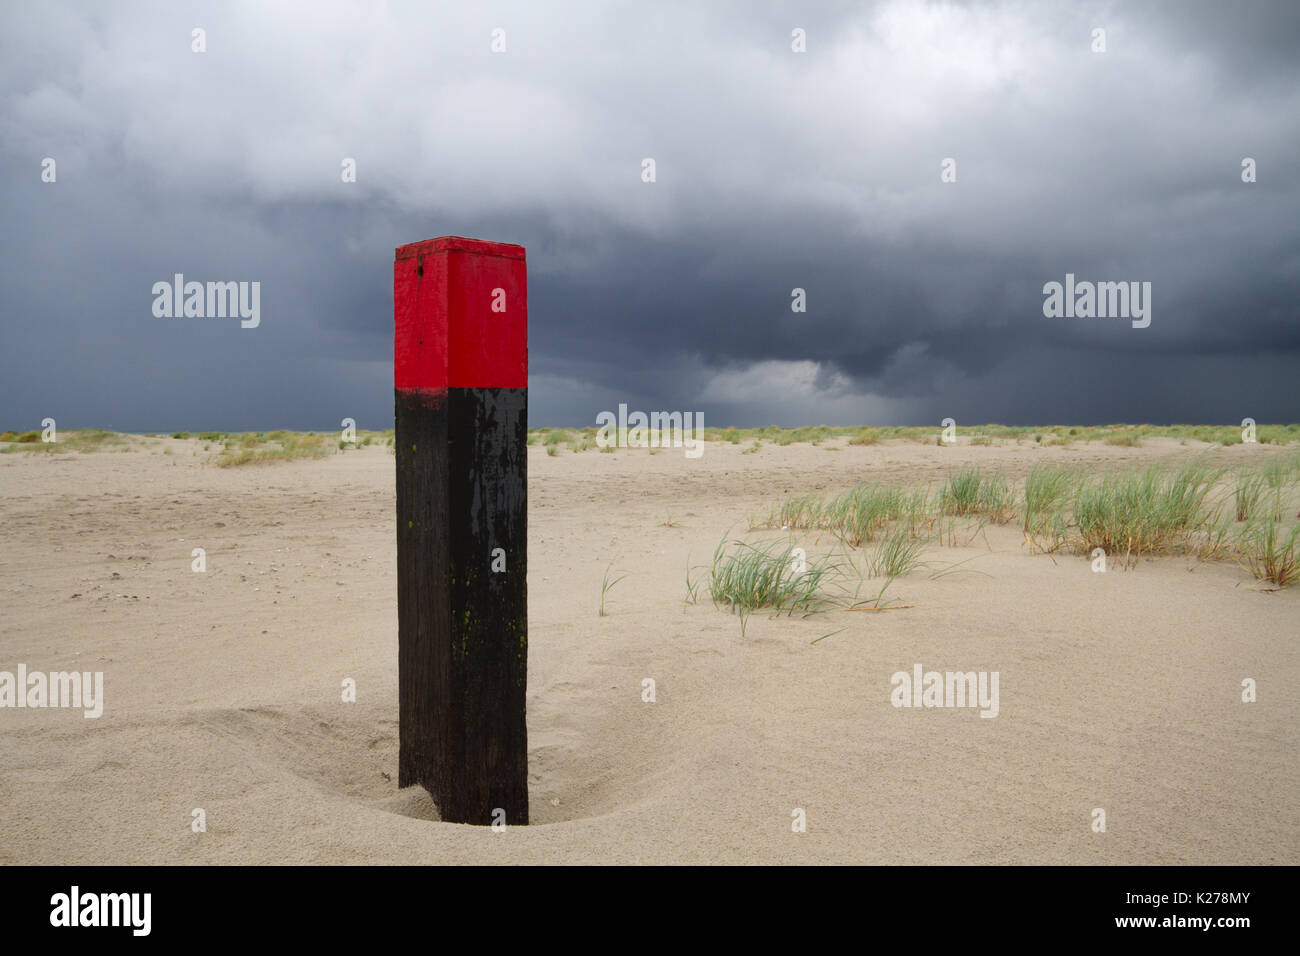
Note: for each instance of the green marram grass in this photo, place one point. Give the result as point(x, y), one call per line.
point(261, 448)
point(83, 440)
point(897, 553)
point(1197, 507)
point(606, 585)
point(582, 438)
point(747, 577)
point(1047, 488)
point(1247, 494)
point(1271, 552)
point(1136, 513)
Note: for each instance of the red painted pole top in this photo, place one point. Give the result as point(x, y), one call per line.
point(460, 310)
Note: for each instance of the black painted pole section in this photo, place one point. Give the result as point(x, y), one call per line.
point(460, 372)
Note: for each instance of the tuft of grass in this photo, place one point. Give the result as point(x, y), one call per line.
point(1277, 473)
point(997, 500)
point(1047, 488)
point(692, 586)
point(801, 512)
point(1271, 553)
point(860, 514)
point(1144, 512)
point(863, 512)
point(960, 496)
point(605, 586)
point(749, 577)
point(256, 448)
point(865, 436)
point(970, 493)
point(1247, 494)
point(897, 554)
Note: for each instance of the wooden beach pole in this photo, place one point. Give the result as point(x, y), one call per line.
point(460, 372)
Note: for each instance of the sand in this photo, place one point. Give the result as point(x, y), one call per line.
point(222, 692)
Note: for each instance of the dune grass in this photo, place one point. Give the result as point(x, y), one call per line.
point(864, 512)
point(897, 553)
point(855, 516)
point(780, 577)
point(260, 448)
point(1143, 512)
point(746, 577)
point(1271, 552)
point(861, 513)
point(1245, 511)
point(606, 585)
point(82, 440)
point(583, 438)
point(1131, 436)
point(971, 493)
point(1132, 513)
point(1247, 493)
point(1047, 488)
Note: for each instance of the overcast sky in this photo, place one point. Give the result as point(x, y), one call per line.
point(775, 170)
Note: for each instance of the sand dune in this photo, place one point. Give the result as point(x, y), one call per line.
point(222, 689)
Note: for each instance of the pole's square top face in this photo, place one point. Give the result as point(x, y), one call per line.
point(461, 315)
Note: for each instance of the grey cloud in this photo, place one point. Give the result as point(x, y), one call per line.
point(775, 171)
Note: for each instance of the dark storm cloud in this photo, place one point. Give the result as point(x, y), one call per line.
point(775, 170)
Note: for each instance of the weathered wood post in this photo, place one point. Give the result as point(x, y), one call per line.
point(460, 371)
